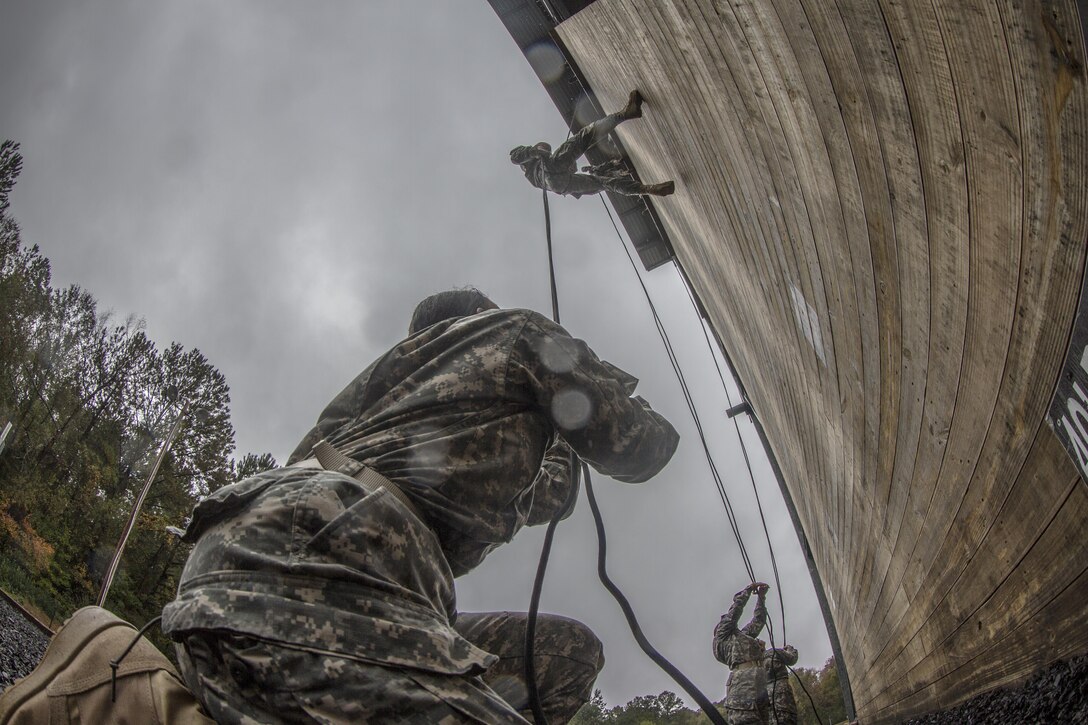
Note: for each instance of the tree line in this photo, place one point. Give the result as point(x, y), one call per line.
point(667, 708)
point(86, 402)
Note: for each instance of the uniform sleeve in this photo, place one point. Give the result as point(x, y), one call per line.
point(727, 625)
point(588, 402)
point(785, 656)
point(759, 619)
point(552, 484)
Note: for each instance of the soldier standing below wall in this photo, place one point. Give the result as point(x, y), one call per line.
point(783, 706)
point(324, 591)
point(738, 648)
point(557, 172)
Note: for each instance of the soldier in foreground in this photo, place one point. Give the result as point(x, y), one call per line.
point(324, 591)
point(782, 706)
point(557, 171)
point(738, 648)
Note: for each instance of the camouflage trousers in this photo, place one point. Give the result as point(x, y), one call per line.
point(757, 715)
point(241, 679)
point(783, 707)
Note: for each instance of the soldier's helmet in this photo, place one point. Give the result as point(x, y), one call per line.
point(520, 154)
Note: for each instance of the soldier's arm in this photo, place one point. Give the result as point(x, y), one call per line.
point(552, 483)
point(727, 625)
point(786, 655)
point(759, 617)
point(589, 403)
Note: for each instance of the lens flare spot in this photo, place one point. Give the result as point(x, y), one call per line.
point(571, 409)
point(432, 454)
point(546, 60)
point(585, 112)
point(554, 357)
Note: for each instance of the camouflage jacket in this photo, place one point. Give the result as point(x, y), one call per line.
point(775, 661)
point(471, 417)
point(742, 652)
point(544, 171)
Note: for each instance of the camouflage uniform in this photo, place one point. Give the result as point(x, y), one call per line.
point(557, 171)
point(746, 696)
point(310, 595)
point(782, 709)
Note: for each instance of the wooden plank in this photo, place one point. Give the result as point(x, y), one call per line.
point(1032, 618)
point(804, 468)
point(915, 172)
point(848, 130)
point(923, 72)
point(970, 32)
point(724, 279)
point(1048, 277)
point(680, 40)
point(1043, 488)
point(799, 207)
point(911, 138)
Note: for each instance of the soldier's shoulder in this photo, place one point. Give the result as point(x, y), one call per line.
point(512, 318)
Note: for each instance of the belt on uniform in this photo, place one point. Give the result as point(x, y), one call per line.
point(330, 459)
point(746, 665)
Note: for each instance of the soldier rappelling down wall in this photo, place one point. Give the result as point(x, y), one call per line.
point(557, 171)
point(738, 648)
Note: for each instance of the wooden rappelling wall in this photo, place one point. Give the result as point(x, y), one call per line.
point(882, 206)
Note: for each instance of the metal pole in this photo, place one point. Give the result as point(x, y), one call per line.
point(4, 436)
point(116, 561)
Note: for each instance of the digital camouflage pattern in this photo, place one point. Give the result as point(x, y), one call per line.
point(304, 556)
point(567, 656)
point(247, 680)
point(461, 415)
point(739, 649)
point(557, 171)
point(471, 419)
point(783, 706)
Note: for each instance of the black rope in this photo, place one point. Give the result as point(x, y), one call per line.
point(730, 514)
point(659, 659)
point(744, 451)
point(819, 718)
point(722, 493)
point(636, 630)
point(551, 259)
point(529, 667)
point(538, 587)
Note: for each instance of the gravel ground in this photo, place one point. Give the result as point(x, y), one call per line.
point(1058, 694)
point(21, 645)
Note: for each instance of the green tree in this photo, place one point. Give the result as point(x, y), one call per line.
point(824, 687)
point(91, 400)
point(250, 465)
point(592, 713)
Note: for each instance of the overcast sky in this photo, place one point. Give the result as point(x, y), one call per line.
point(278, 183)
